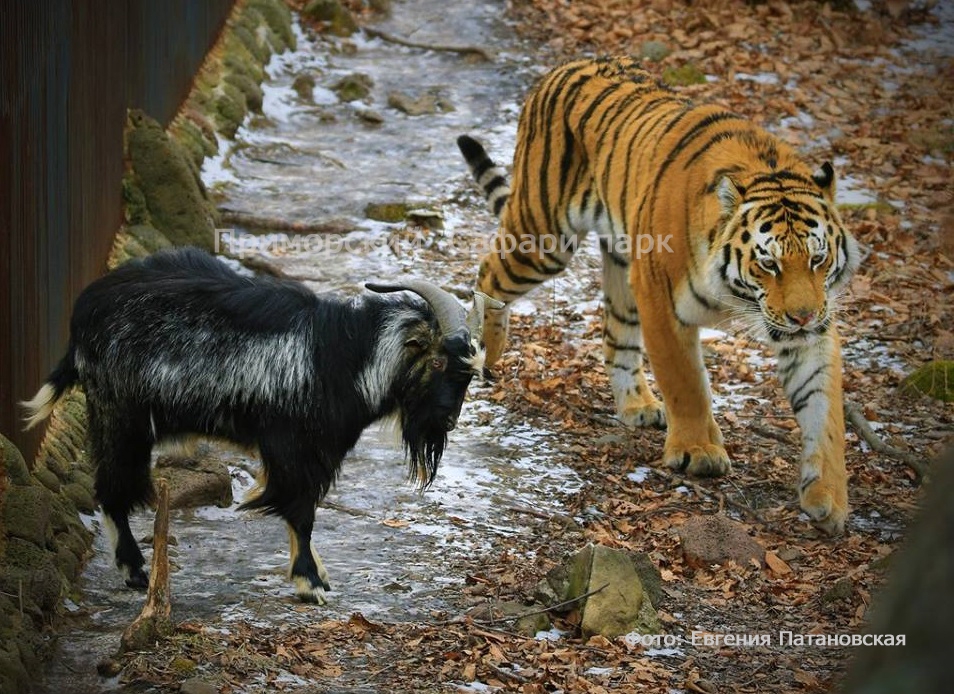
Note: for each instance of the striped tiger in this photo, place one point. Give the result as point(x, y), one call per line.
point(701, 216)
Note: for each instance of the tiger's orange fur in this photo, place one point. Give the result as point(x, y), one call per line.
point(701, 215)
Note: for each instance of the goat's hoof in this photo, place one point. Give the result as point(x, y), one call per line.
point(306, 592)
point(138, 579)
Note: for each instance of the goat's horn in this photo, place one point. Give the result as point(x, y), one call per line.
point(451, 316)
point(475, 319)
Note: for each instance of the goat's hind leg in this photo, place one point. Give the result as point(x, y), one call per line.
point(123, 483)
point(306, 569)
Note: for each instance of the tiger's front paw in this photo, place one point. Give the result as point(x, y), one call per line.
point(644, 415)
point(825, 503)
point(703, 460)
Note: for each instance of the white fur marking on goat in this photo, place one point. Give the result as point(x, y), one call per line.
point(112, 532)
point(40, 407)
point(274, 369)
point(376, 379)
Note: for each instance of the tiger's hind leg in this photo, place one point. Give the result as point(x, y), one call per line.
point(636, 404)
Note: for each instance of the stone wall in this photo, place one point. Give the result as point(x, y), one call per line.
point(43, 540)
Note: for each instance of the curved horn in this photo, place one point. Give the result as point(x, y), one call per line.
point(451, 316)
point(475, 319)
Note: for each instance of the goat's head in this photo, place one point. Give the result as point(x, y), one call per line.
point(440, 365)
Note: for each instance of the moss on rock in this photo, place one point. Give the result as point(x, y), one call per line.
point(934, 379)
point(336, 17)
point(175, 202)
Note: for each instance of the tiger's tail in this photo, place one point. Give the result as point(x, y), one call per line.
point(41, 406)
point(491, 178)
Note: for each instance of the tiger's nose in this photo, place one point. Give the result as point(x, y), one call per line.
point(802, 316)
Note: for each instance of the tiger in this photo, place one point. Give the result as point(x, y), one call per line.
point(701, 217)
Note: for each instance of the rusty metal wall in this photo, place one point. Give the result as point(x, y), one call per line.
point(69, 69)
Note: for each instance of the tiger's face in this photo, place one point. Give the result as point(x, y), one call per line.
point(787, 253)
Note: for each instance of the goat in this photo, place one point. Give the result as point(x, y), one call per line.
point(177, 345)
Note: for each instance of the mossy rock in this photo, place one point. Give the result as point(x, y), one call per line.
point(261, 50)
point(149, 237)
point(47, 478)
point(16, 469)
point(230, 109)
point(254, 97)
point(683, 76)
point(13, 673)
point(237, 59)
point(35, 569)
point(338, 20)
point(654, 50)
point(304, 86)
point(354, 87)
point(80, 496)
point(935, 379)
point(279, 19)
point(173, 197)
point(390, 212)
point(26, 514)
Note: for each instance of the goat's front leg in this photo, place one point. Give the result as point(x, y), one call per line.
point(811, 377)
point(306, 569)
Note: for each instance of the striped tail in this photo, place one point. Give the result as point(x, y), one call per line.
point(491, 178)
point(41, 406)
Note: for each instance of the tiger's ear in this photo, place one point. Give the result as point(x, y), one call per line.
point(825, 178)
point(730, 197)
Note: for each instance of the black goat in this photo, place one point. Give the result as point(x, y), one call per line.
point(177, 345)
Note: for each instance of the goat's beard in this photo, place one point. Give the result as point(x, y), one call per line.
point(424, 447)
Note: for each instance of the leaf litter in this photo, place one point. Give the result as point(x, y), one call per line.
point(854, 87)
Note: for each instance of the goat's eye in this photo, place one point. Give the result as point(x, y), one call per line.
point(769, 265)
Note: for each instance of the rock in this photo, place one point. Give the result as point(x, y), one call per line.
point(32, 569)
point(354, 87)
point(26, 514)
point(81, 497)
point(425, 104)
point(935, 379)
point(337, 19)
point(175, 203)
point(842, 589)
point(196, 480)
point(148, 237)
point(197, 686)
point(12, 463)
point(390, 212)
point(619, 605)
point(430, 219)
point(683, 76)
point(304, 86)
point(369, 116)
point(649, 576)
point(526, 620)
point(715, 539)
point(654, 50)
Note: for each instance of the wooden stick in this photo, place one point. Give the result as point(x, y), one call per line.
point(856, 417)
point(475, 50)
point(154, 620)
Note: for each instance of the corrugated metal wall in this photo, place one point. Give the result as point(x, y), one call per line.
point(69, 69)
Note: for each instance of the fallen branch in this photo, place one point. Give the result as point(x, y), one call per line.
point(542, 610)
point(251, 221)
point(855, 417)
point(154, 620)
point(391, 38)
point(526, 510)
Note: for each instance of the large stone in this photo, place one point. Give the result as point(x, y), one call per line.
point(196, 480)
point(715, 539)
point(603, 584)
point(336, 17)
point(11, 462)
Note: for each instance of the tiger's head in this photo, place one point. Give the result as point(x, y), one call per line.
point(785, 250)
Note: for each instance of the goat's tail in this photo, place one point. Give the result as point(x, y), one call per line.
point(491, 178)
point(41, 406)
